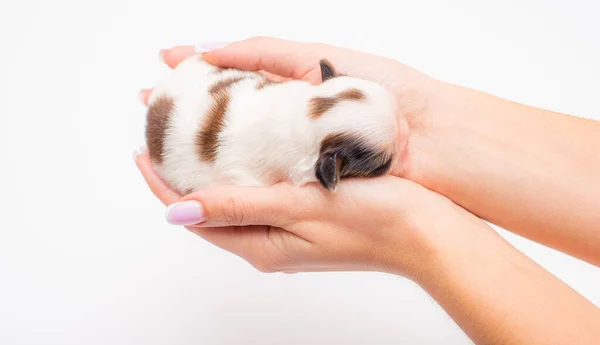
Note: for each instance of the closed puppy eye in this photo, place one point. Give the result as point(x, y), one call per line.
point(346, 156)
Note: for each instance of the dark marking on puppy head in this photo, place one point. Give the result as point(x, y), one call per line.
point(265, 82)
point(207, 139)
point(317, 106)
point(224, 84)
point(320, 105)
point(327, 70)
point(352, 95)
point(157, 122)
point(346, 156)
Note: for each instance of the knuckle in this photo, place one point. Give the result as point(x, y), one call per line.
point(232, 211)
point(236, 212)
point(293, 208)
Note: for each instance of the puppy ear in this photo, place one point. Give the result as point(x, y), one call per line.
point(328, 170)
point(327, 70)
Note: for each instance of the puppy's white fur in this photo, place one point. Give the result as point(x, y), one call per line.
point(268, 134)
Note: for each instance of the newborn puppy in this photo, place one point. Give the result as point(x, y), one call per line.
point(209, 126)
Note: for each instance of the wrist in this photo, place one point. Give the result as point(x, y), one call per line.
point(497, 294)
point(436, 240)
point(462, 253)
point(456, 242)
point(447, 141)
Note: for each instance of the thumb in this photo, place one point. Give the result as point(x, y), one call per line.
point(300, 60)
point(277, 206)
point(285, 58)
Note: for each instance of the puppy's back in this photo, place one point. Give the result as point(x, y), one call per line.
point(211, 126)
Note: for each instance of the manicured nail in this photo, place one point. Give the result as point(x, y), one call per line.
point(139, 151)
point(141, 96)
point(206, 47)
point(186, 213)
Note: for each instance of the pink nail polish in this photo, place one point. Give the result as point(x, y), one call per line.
point(139, 151)
point(186, 213)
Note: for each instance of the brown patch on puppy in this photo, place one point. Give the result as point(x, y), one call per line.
point(223, 84)
point(352, 95)
point(345, 156)
point(320, 105)
point(265, 82)
point(158, 118)
point(207, 138)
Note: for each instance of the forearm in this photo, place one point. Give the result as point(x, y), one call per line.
point(530, 171)
point(499, 296)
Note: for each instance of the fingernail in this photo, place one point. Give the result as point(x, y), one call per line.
point(206, 47)
point(186, 213)
point(141, 97)
point(139, 151)
point(161, 55)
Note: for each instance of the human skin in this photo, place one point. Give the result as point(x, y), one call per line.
point(531, 171)
point(390, 224)
point(492, 291)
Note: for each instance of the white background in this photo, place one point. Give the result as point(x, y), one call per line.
point(86, 256)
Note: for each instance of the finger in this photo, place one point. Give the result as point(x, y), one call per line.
point(268, 249)
point(158, 187)
point(233, 239)
point(241, 241)
point(279, 206)
point(174, 56)
point(145, 96)
point(262, 246)
point(297, 60)
point(289, 59)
